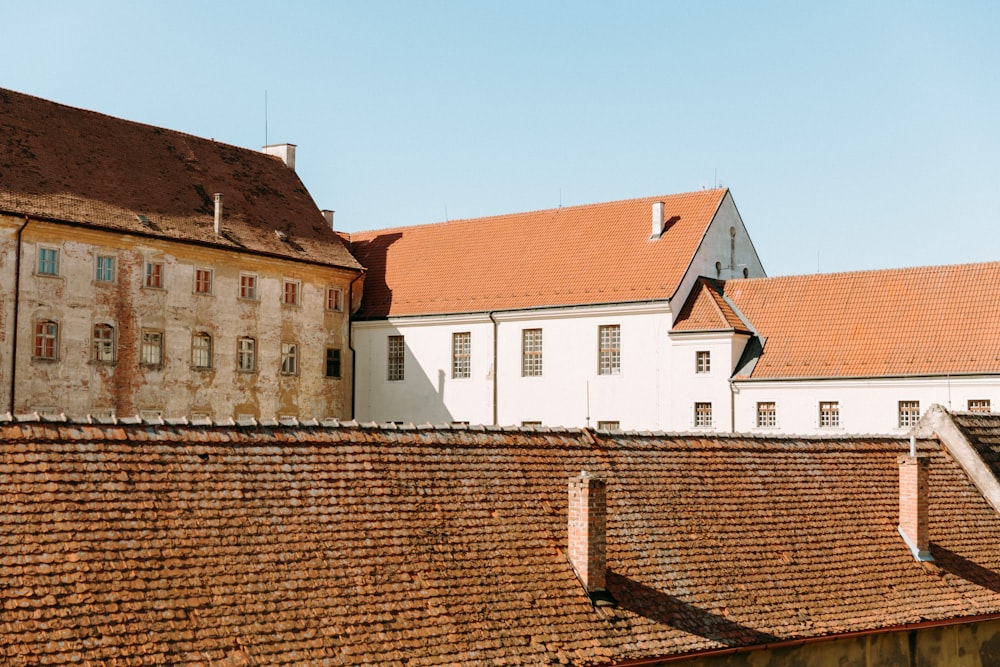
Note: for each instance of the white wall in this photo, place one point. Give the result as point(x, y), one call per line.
point(866, 406)
point(559, 397)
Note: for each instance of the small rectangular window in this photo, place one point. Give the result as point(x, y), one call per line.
point(702, 414)
point(248, 286)
point(48, 261)
point(767, 414)
point(105, 269)
point(461, 355)
point(334, 298)
point(246, 357)
point(979, 405)
point(703, 362)
point(909, 413)
point(531, 423)
point(396, 359)
point(154, 275)
point(531, 352)
point(609, 353)
point(151, 353)
point(201, 350)
point(290, 296)
point(608, 426)
point(203, 281)
point(829, 414)
point(333, 362)
point(104, 343)
point(289, 358)
point(46, 340)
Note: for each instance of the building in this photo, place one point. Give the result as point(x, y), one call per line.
point(556, 317)
point(130, 542)
point(590, 320)
point(146, 271)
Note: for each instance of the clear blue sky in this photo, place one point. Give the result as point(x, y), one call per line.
point(853, 135)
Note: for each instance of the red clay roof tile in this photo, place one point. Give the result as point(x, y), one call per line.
point(71, 165)
point(707, 310)
point(593, 254)
point(919, 321)
point(299, 545)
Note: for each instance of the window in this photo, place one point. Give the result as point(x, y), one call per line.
point(46, 340)
point(154, 275)
point(334, 298)
point(246, 358)
point(248, 286)
point(104, 342)
point(979, 405)
point(203, 281)
point(909, 413)
point(608, 426)
point(105, 269)
point(609, 350)
point(531, 424)
point(767, 414)
point(702, 414)
point(48, 261)
point(151, 353)
point(531, 352)
point(461, 353)
point(703, 362)
point(829, 414)
point(289, 358)
point(201, 350)
point(333, 362)
point(397, 356)
point(291, 293)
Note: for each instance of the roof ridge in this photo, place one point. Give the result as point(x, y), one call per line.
point(441, 223)
point(924, 268)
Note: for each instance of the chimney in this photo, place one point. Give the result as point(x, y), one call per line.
point(913, 502)
point(328, 214)
point(587, 530)
point(218, 213)
point(285, 151)
point(657, 227)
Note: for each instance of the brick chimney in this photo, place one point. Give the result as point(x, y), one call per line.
point(913, 503)
point(588, 529)
point(657, 226)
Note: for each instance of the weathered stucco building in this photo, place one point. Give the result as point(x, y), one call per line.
point(146, 271)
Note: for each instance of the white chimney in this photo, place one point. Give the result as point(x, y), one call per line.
point(328, 214)
point(285, 151)
point(657, 227)
point(218, 213)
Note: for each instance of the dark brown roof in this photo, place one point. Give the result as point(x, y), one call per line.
point(67, 164)
point(314, 545)
point(578, 255)
point(935, 320)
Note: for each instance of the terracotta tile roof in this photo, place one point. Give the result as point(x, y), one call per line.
point(918, 321)
point(982, 430)
point(707, 310)
point(78, 166)
point(598, 253)
point(310, 545)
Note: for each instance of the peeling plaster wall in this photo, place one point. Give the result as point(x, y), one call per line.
point(78, 385)
point(8, 249)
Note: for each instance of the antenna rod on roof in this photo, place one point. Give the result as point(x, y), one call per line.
point(265, 117)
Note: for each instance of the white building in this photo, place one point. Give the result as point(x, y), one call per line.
point(587, 316)
point(551, 317)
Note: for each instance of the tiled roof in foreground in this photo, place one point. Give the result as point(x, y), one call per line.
point(271, 545)
point(936, 320)
point(578, 255)
point(67, 164)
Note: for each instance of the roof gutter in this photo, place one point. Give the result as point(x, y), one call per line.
point(791, 643)
point(17, 308)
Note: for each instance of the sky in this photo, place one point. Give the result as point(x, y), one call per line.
point(853, 135)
